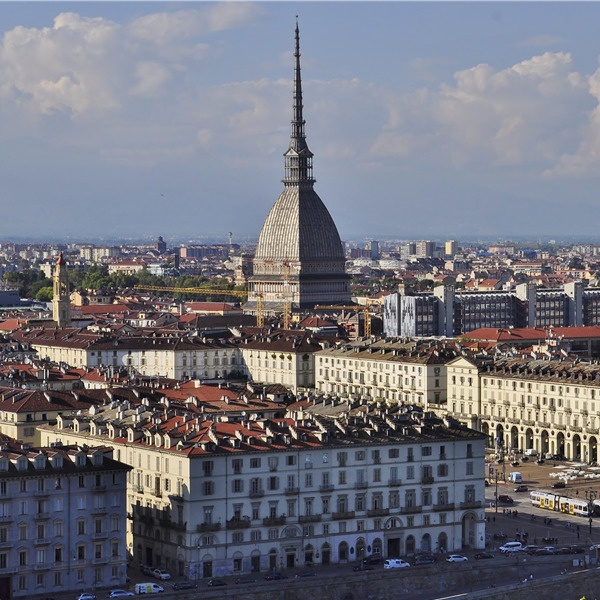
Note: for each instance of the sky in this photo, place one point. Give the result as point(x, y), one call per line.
point(427, 120)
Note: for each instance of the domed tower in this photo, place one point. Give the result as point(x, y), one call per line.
point(299, 258)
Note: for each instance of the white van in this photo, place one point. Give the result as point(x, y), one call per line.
point(395, 563)
point(511, 547)
point(148, 588)
point(530, 452)
point(515, 477)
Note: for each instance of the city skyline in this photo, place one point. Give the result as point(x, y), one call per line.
point(427, 120)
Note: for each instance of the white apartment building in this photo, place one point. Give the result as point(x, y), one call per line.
point(394, 371)
point(249, 493)
point(175, 356)
point(552, 406)
point(62, 519)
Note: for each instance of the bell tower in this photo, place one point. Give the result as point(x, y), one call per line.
point(61, 301)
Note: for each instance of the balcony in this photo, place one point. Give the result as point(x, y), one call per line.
point(43, 566)
point(174, 525)
point(41, 516)
point(309, 518)
point(102, 535)
point(98, 488)
point(41, 542)
point(291, 491)
point(102, 560)
point(41, 494)
point(326, 488)
point(256, 493)
point(341, 516)
point(6, 519)
point(238, 523)
point(394, 482)
point(471, 504)
point(361, 485)
point(274, 521)
point(443, 507)
point(208, 527)
point(560, 426)
point(427, 480)
point(378, 512)
point(410, 510)
point(98, 510)
point(576, 428)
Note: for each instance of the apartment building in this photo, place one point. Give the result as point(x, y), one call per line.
point(552, 406)
point(174, 356)
point(392, 370)
point(254, 491)
point(449, 312)
point(62, 519)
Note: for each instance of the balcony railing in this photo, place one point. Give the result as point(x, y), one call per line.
point(207, 527)
point(291, 491)
point(407, 510)
point(340, 516)
point(326, 488)
point(378, 512)
point(445, 506)
point(471, 504)
point(256, 493)
point(241, 523)
point(309, 518)
point(394, 482)
point(361, 485)
point(426, 480)
point(274, 521)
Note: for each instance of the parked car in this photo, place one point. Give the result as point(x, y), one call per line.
point(530, 549)
point(275, 576)
point(245, 580)
point(372, 560)
point(483, 555)
point(305, 574)
point(395, 563)
point(184, 585)
point(521, 488)
point(544, 552)
point(559, 484)
point(146, 570)
point(160, 574)
point(505, 499)
point(120, 594)
point(86, 596)
point(424, 559)
point(216, 583)
point(456, 558)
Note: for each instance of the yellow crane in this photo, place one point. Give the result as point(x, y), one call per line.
point(356, 308)
point(260, 316)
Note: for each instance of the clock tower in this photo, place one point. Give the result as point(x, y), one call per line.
point(61, 301)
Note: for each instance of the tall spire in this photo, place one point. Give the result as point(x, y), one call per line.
point(298, 158)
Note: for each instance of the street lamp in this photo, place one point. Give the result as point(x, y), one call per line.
point(590, 496)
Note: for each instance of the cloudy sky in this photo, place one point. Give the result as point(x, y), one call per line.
point(427, 120)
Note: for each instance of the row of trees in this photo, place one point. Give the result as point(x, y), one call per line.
point(33, 283)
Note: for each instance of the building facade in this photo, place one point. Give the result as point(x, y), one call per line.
point(221, 496)
point(62, 520)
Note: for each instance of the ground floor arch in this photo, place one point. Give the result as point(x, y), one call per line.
point(426, 543)
point(469, 530)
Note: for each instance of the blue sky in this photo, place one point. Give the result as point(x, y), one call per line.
point(427, 120)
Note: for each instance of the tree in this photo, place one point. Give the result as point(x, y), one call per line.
point(45, 294)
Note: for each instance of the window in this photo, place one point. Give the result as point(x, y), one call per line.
point(237, 485)
point(342, 458)
point(377, 475)
point(273, 463)
point(442, 470)
point(255, 463)
point(410, 472)
point(308, 480)
point(273, 483)
point(341, 477)
point(237, 465)
point(393, 453)
point(207, 467)
point(410, 457)
point(209, 488)
point(469, 468)
point(290, 460)
point(426, 451)
point(359, 455)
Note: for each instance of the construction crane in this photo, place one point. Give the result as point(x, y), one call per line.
point(356, 308)
point(260, 313)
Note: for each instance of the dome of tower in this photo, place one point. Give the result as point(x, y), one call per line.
point(299, 228)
